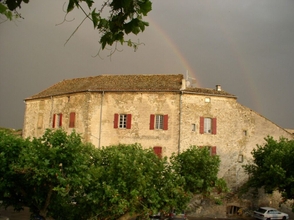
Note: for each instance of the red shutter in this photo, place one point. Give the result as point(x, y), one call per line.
point(158, 151)
point(60, 120)
point(129, 121)
point(201, 125)
point(115, 122)
point(152, 122)
point(165, 122)
point(214, 126)
point(53, 121)
point(213, 150)
point(72, 118)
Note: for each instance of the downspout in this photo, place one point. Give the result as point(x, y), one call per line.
point(100, 125)
point(51, 112)
point(180, 122)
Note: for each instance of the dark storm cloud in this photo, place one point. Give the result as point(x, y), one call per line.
point(246, 46)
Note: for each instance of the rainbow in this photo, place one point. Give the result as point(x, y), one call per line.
point(188, 69)
point(235, 49)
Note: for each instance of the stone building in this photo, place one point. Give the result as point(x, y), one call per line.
point(158, 111)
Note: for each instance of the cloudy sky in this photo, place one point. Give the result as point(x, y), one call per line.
point(246, 46)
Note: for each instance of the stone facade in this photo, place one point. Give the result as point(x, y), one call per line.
point(234, 130)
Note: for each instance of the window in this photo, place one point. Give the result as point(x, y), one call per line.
point(193, 127)
point(72, 118)
point(159, 122)
point(122, 121)
point(158, 151)
point(57, 120)
point(40, 121)
point(207, 125)
point(245, 133)
point(212, 149)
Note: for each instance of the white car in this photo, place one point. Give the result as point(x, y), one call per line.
point(268, 213)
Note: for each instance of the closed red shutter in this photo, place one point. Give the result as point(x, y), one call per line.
point(60, 120)
point(129, 121)
point(53, 121)
point(201, 125)
point(214, 126)
point(165, 122)
point(158, 151)
point(152, 122)
point(72, 118)
point(115, 122)
point(213, 150)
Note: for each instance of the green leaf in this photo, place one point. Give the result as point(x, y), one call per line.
point(3, 8)
point(145, 7)
point(95, 17)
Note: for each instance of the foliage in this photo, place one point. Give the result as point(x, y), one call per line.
point(122, 17)
point(132, 180)
point(53, 167)
point(273, 167)
point(10, 149)
point(199, 169)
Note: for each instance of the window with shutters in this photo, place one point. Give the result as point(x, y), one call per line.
point(212, 149)
point(158, 151)
point(57, 120)
point(207, 125)
point(122, 121)
point(158, 122)
point(72, 119)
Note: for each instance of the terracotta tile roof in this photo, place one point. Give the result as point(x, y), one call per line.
point(206, 91)
point(159, 82)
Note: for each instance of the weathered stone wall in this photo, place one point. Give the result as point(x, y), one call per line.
point(39, 114)
point(140, 106)
point(239, 130)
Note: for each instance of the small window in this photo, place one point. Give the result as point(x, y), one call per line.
point(207, 99)
point(245, 133)
point(158, 122)
point(40, 121)
point(122, 121)
point(193, 127)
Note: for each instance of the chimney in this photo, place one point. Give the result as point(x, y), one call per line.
point(218, 88)
point(184, 86)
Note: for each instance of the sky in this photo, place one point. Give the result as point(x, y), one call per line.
point(246, 46)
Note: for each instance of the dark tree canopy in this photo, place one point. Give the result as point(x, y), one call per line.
point(199, 169)
point(273, 167)
point(114, 19)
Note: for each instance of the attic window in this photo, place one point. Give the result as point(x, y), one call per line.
point(207, 100)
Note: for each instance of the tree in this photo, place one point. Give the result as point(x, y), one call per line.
point(199, 170)
point(273, 167)
point(10, 149)
point(121, 19)
point(132, 180)
point(51, 168)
